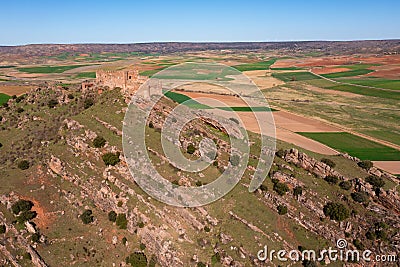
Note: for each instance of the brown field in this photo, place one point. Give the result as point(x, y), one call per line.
point(389, 166)
point(15, 89)
point(263, 79)
point(326, 70)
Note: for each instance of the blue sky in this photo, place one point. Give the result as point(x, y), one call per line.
point(24, 22)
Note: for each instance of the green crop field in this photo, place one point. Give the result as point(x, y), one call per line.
point(355, 145)
point(89, 75)
point(349, 73)
point(4, 98)
point(366, 91)
point(183, 99)
point(7, 66)
point(295, 76)
point(375, 82)
point(150, 72)
point(288, 68)
point(50, 69)
point(262, 65)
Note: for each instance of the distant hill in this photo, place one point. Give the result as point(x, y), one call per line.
point(328, 47)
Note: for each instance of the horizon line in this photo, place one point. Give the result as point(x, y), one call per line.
point(196, 42)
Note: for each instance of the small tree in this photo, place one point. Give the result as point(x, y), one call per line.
point(336, 211)
point(137, 259)
point(280, 188)
point(329, 162)
point(112, 216)
point(111, 158)
point(280, 153)
point(121, 221)
point(99, 142)
point(52, 103)
point(297, 191)
point(2, 228)
point(21, 206)
point(190, 149)
point(282, 209)
point(331, 179)
point(365, 164)
point(360, 197)
point(234, 160)
point(26, 215)
point(375, 181)
point(87, 217)
point(345, 185)
point(23, 164)
point(88, 103)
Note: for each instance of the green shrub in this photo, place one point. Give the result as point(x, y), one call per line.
point(190, 149)
point(121, 221)
point(207, 229)
point(23, 164)
point(26, 215)
point(124, 240)
point(99, 141)
point(137, 259)
point(142, 246)
point(140, 224)
point(2, 228)
point(365, 164)
point(111, 158)
point(331, 179)
point(234, 160)
point(201, 264)
point(70, 96)
point(88, 103)
point(280, 153)
point(336, 211)
point(112, 216)
point(263, 188)
point(361, 197)
point(370, 235)
point(35, 237)
point(27, 256)
point(282, 209)
point(345, 185)
point(87, 217)
point(20, 110)
point(280, 188)
point(216, 258)
point(357, 243)
point(298, 191)
point(21, 206)
point(375, 181)
point(329, 162)
point(52, 103)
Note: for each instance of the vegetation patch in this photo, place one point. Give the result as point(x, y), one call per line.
point(89, 75)
point(262, 65)
point(183, 99)
point(349, 73)
point(50, 69)
point(295, 76)
point(354, 145)
point(4, 98)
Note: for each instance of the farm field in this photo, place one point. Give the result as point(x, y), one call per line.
point(49, 69)
point(3, 98)
point(355, 146)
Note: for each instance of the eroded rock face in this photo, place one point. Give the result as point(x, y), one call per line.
point(310, 164)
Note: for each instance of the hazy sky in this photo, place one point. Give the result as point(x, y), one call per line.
point(24, 22)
